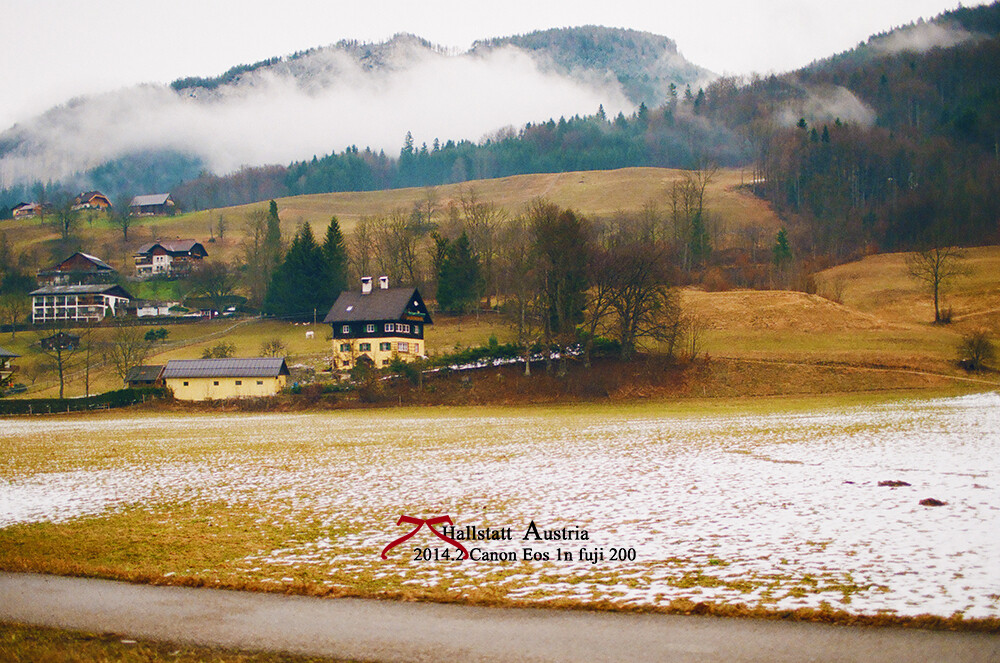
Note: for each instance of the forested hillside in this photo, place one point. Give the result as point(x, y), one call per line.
point(891, 145)
point(924, 169)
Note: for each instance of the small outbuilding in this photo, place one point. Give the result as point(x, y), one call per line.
point(215, 379)
point(144, 376)
point(152, 204)
point(6, 369)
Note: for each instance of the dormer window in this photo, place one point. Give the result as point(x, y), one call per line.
point(389, 327)
point(346, 329)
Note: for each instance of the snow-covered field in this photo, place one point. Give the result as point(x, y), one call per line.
point(780, 509)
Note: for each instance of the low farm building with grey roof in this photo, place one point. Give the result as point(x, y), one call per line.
point(152, 203)
point(219, 379)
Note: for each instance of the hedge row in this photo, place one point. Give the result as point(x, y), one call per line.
point(110, 399)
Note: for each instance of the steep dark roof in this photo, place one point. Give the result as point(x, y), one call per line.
point(379, 304)
point(97, 262)
point(174, 246)
point(255, 367)
point(98, 289)
point(143, 374)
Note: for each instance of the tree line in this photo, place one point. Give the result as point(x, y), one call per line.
point(560, 279)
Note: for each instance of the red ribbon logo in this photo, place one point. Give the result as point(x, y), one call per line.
point(420, 522)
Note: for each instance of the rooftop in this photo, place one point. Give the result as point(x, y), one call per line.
point(251, 367)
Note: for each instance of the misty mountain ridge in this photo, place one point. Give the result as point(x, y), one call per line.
point(644, 64)
point(489, 107)
point(351, 93)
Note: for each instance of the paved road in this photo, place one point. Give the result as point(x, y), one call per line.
point(391, 631)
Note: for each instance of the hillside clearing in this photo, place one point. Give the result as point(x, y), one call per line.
point(591, 193)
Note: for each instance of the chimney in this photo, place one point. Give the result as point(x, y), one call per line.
point(366, 285)
point(383, 282)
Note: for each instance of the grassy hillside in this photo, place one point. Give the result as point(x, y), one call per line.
point(882, 321)
point(592, 193)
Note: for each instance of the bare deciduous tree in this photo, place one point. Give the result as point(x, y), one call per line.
point(215, 280)
point(14, 307)
point(60, 348)
point(120, 214)
point(254, 256)
point(483, 221)
point(519, 279)
point(935, 268)
point(126, 347)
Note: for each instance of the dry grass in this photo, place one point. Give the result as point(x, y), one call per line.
point(21, 643)
point(880, 285)
point(592, 193)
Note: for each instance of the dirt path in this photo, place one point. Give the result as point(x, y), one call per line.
point(394, 631)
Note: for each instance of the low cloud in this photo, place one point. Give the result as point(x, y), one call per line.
point(826, 105)
point(921, 37)
point(323, 102)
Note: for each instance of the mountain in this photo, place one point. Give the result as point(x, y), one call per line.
point(350, 93)
point(644, 64)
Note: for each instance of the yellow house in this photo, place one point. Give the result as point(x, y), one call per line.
point(377, 325)
point(214, 379)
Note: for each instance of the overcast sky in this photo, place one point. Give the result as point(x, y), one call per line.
point(55, 49)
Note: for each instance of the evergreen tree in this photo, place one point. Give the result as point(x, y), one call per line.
point(299, 287)
point(782, 250)
point(272, 240)
point(335, 252)
point(459, 276)
point(699, 244)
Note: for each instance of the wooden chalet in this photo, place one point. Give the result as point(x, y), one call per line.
point(25, 210)
point(78, 303)
point(78, 269)
point(377, 324)
point(154, 204)
point(92, 200)
point(175, 257)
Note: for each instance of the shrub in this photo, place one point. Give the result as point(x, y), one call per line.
point(273, 347)
point(220, 350)
point(976, 351)
point(154, 335)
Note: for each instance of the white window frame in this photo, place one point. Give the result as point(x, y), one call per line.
point(346, 329)
point(370, 328)
point(389, 327)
